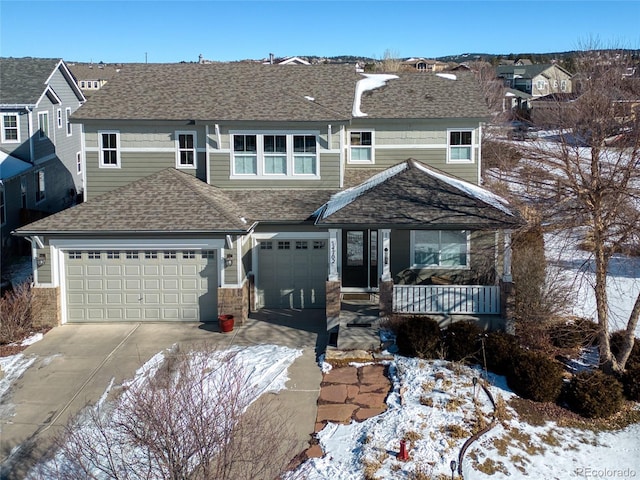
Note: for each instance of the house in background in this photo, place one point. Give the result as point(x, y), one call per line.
point(90, 77)
point(247, 187)
point(423, 65)
point(40, 149)
point(536, 80)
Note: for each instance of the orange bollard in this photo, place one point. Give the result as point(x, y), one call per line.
point(404, 454)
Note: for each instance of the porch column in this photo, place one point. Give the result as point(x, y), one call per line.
point(333, 255)
point(386, 254)
point(386, 283)
point(506, 273)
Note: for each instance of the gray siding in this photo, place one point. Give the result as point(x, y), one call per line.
point(44, 272)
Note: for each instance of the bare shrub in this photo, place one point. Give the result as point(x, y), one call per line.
point(17, 314)
point(190, 418)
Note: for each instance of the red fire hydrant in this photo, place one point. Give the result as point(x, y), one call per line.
point(404, 454)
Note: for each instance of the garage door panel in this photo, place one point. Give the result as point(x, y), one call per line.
point(109, 287)
point(113, 270)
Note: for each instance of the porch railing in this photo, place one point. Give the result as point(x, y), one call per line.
point(432, 299)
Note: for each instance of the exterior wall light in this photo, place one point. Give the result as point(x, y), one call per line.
point(41, 260)
point(229, 260)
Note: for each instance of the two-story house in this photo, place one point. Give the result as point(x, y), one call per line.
point(219, 188)
point(536, 80)
point(40, 149)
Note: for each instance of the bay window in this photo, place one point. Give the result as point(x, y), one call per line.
point(440, 248)
point(274, 155)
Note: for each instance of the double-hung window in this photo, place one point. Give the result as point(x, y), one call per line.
point(67, 114)
point(109, 145)
point(440, 248)
point(186, 150)
point(304, 154)
point(10, 131)
point(460, 146)
point(361, 147)
point(274, 155)
point(245, 155)
point(40, 186)
point(43, 125)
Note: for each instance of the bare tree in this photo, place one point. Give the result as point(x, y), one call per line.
point(189, 419)
point(588, 174)
point(492, 87)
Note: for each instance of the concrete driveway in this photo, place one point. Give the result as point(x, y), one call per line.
point(75, 364)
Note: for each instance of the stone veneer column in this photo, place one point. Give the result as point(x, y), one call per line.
point(386, 298)
point(234, 301)
point(333, 294)
point(46, 306)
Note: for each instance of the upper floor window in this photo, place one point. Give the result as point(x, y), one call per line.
point(440, 248)
point(59, 117)
point(43, 125)
point(79, 162)
point(40, 186)
point(460, 146)
point(67, 114)
point(186, 150)
point(361, 147)
point(10, 130)
point(82, 84)
point(274, 154)
point(563, 85)
point(109, 145)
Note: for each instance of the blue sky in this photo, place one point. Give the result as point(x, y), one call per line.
point(173, 31)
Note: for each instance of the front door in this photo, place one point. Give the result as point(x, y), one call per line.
point(360, 258)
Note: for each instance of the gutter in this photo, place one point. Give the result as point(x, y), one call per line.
point(117, 233)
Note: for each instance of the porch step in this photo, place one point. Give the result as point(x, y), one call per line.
point(356, 296)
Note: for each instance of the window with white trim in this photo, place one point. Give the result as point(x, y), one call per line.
point(79, 163)
point(274, 154)
point(109, 146)
point(10, 130)
point(3, 212)
point(460, 146)
point(186, 150)
point(440, 248)
point(43, 125)
point(67, 114)
point(59, 117)
point(40, 186)
point(563, 85)
point(361, 147)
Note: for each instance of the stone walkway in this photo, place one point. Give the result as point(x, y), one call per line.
point(350, 393)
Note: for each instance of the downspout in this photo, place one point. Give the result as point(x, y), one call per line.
point(29, 132)
point(480, 153)
point(342, 153)
point(207, 160)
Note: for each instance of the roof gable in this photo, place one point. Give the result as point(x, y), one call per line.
point(412, 194)
point(23, 80)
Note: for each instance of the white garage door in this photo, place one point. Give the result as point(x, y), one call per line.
point(292, 273)
point(139, 285)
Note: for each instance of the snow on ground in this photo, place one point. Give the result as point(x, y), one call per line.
point(264, 369)
point(433, 405)
point(13, 366)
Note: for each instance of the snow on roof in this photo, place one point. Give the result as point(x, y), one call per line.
point(345, 197)
point(448, 76)
point(370, 82)
point(470, 189)
point(11, 166)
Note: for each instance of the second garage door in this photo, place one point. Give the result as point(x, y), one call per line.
point(292, 273)
point(141, 285)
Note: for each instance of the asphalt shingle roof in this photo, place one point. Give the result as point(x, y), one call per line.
point(254, 92)
point(167, 201)
point(412, 196)
point(22, 80)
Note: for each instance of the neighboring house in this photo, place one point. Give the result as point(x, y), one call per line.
point(91, 77)
point(273, 60)
point(535, 80)
point(245, 187)
point(40, 149)
point(423, 65)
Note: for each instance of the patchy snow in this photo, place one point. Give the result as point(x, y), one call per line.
point(264, 369)
point(370, 82)
point(36, 337)
point(11, 369)
point(434, 404)
point(448, 76)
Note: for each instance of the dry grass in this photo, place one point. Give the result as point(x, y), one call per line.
point(454, 404)
point(491, 467)
point(426, 401)
point(412, 436)
point(370, 468)
point(455, 431)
